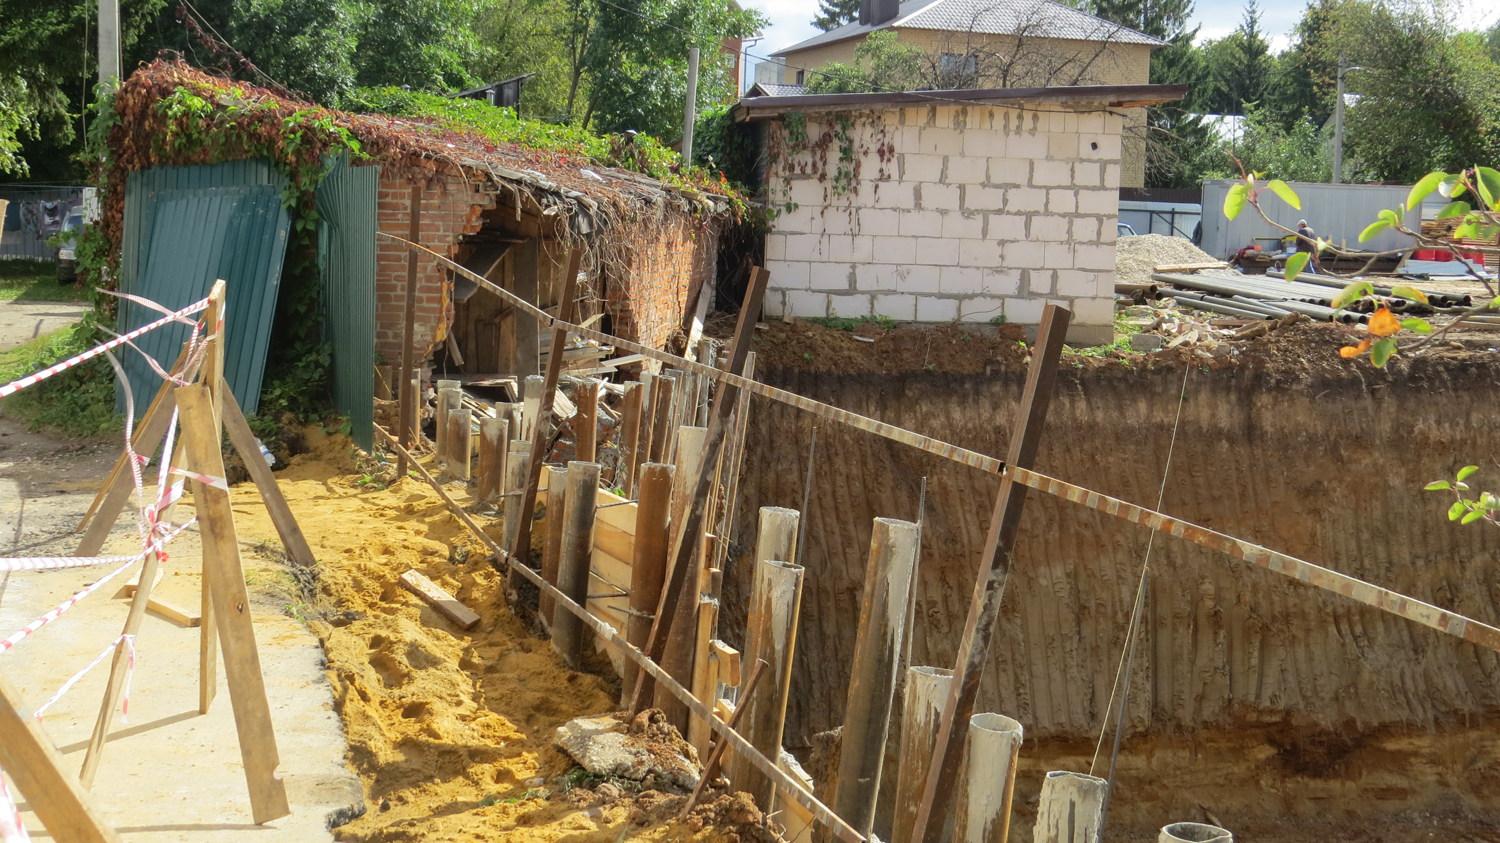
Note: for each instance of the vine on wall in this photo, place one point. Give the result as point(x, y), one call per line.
point(830, 147)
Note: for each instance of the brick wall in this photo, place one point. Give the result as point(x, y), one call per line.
point(667, 257)
point(980, 213)
point(451, 208)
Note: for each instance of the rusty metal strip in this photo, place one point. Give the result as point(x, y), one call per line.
point(1327, 579)
point(817, 408)
point(1369, 594)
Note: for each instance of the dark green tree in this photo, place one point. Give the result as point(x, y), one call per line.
point(1306, 74)
point(1239, 66)
point(833, 14)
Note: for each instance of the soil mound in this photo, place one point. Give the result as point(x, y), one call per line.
point(1137, 256)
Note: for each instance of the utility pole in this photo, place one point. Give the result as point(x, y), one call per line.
point(690, 113)
point(109, 40)
point(1338, 125)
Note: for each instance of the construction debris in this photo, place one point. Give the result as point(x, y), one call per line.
point(1138, 256)
point(648, 749)
point(435, 596)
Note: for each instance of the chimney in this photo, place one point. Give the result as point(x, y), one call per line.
point(877, 12)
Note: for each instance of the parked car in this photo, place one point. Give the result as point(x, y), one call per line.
point(67, 254)
point(1124, 230)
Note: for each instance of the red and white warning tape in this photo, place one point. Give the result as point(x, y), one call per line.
point(73, 601)
point(48, 563)
point(11, 830)
point(36, 377)
point(206, 479)
point(129, 642)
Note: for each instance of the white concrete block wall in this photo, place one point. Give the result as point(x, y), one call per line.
point(974, 214)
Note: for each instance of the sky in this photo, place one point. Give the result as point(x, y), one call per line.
point(791, 20)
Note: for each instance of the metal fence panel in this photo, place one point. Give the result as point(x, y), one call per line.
point(1338, 212)
point(346, 263)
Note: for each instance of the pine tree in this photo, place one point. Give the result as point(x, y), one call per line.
point(833, 14)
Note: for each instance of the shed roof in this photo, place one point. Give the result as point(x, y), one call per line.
point(1101, 96)
point(1036, 18)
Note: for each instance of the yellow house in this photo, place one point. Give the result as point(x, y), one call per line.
point(991, 44)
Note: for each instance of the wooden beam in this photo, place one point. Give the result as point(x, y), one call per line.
point(685, 544)
point(408, 414)
point(557, 501)
point(494, 442)
point(586, 422)
point(575, 554)
point(221, 561)
point(630, 434)
point(28, 756)
point(286, 524)
point(518, 550)
point(995, 565)
point(438, 598)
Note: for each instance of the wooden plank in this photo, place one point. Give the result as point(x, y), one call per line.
point(128, 589)
point(613, 540)
point(243, 441)
point(984, 606)
point(438, 598)
point(173, 613)
point(28, 756)
point(729, 662)
point(615, 571)
point(221, 560)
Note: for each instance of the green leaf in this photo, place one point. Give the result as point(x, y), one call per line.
point(1449, 187)
point(1411, 293)
point(1422, 188)
point(1371, 230)
point(1474, 515)
point(1487, 182)
point(1461, 486)
point(1467, 471)
point(1456, 510)
point(1495, 303)
point(1437, 486)
point(1453, 209)
point(1417, 326)
point(1381, 351)
point(1287, 195)
point(1466, 231)
point(1295, 264)
point(1352, 293)
point(1235, 200)
point(1389, 216)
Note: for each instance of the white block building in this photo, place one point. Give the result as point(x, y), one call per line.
point(967, 206)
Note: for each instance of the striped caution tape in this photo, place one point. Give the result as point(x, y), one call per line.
point(11, 829)
point(51, 563)
point(129, 642)
point(64, 606)
point(37, 377)
point(205, 479)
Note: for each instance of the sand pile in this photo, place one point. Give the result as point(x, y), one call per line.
point(451, 732)
point(1136, 257)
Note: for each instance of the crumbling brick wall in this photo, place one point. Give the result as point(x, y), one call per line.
point(670, 256)
point(451, 208)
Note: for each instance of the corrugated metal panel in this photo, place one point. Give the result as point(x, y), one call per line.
point(1338, 212)
point(346, 259)
point(142, 186)
point(198, 235)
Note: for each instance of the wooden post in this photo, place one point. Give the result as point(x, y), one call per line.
point(648, 569)
point(531, 403)
point(543, 418)
point(568, 633)
point(678, 657)
point(630, 432)
point(449, 399)
point(685, 536)
point(221, 558)
point(879, 642)
point(557, 496)
point(460, 441)
point(243, 440)
point(711, 761)
point(586, 423)
point(494, 437)
point(921, 711)
point(770, 634)
point(1070, 809)
point(729, 470)
point(515, 485)
point(409, 400)
point(662, 400)
point(27, 754)
point(705, 682)
point(985, 791)
point(989, 587)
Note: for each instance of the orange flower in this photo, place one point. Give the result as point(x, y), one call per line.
point(1384, 323)
point(1349, 352)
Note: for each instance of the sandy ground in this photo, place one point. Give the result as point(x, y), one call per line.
point(168, 774)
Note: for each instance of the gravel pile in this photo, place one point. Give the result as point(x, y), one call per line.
point(1137, 256)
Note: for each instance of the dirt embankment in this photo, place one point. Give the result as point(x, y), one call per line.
point(1252, 695)
point(451, 732)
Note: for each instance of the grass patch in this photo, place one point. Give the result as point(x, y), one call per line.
point(77, 402)
point(842, 323)
point(1121, 344)
point(28, 280)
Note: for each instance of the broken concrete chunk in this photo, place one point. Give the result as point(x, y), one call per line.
point(605, 747)
point(1145, 342)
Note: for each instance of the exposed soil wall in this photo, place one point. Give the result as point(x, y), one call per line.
point(1247, 686)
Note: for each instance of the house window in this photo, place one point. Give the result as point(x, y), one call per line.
point(958, 70)
point(799, 76)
